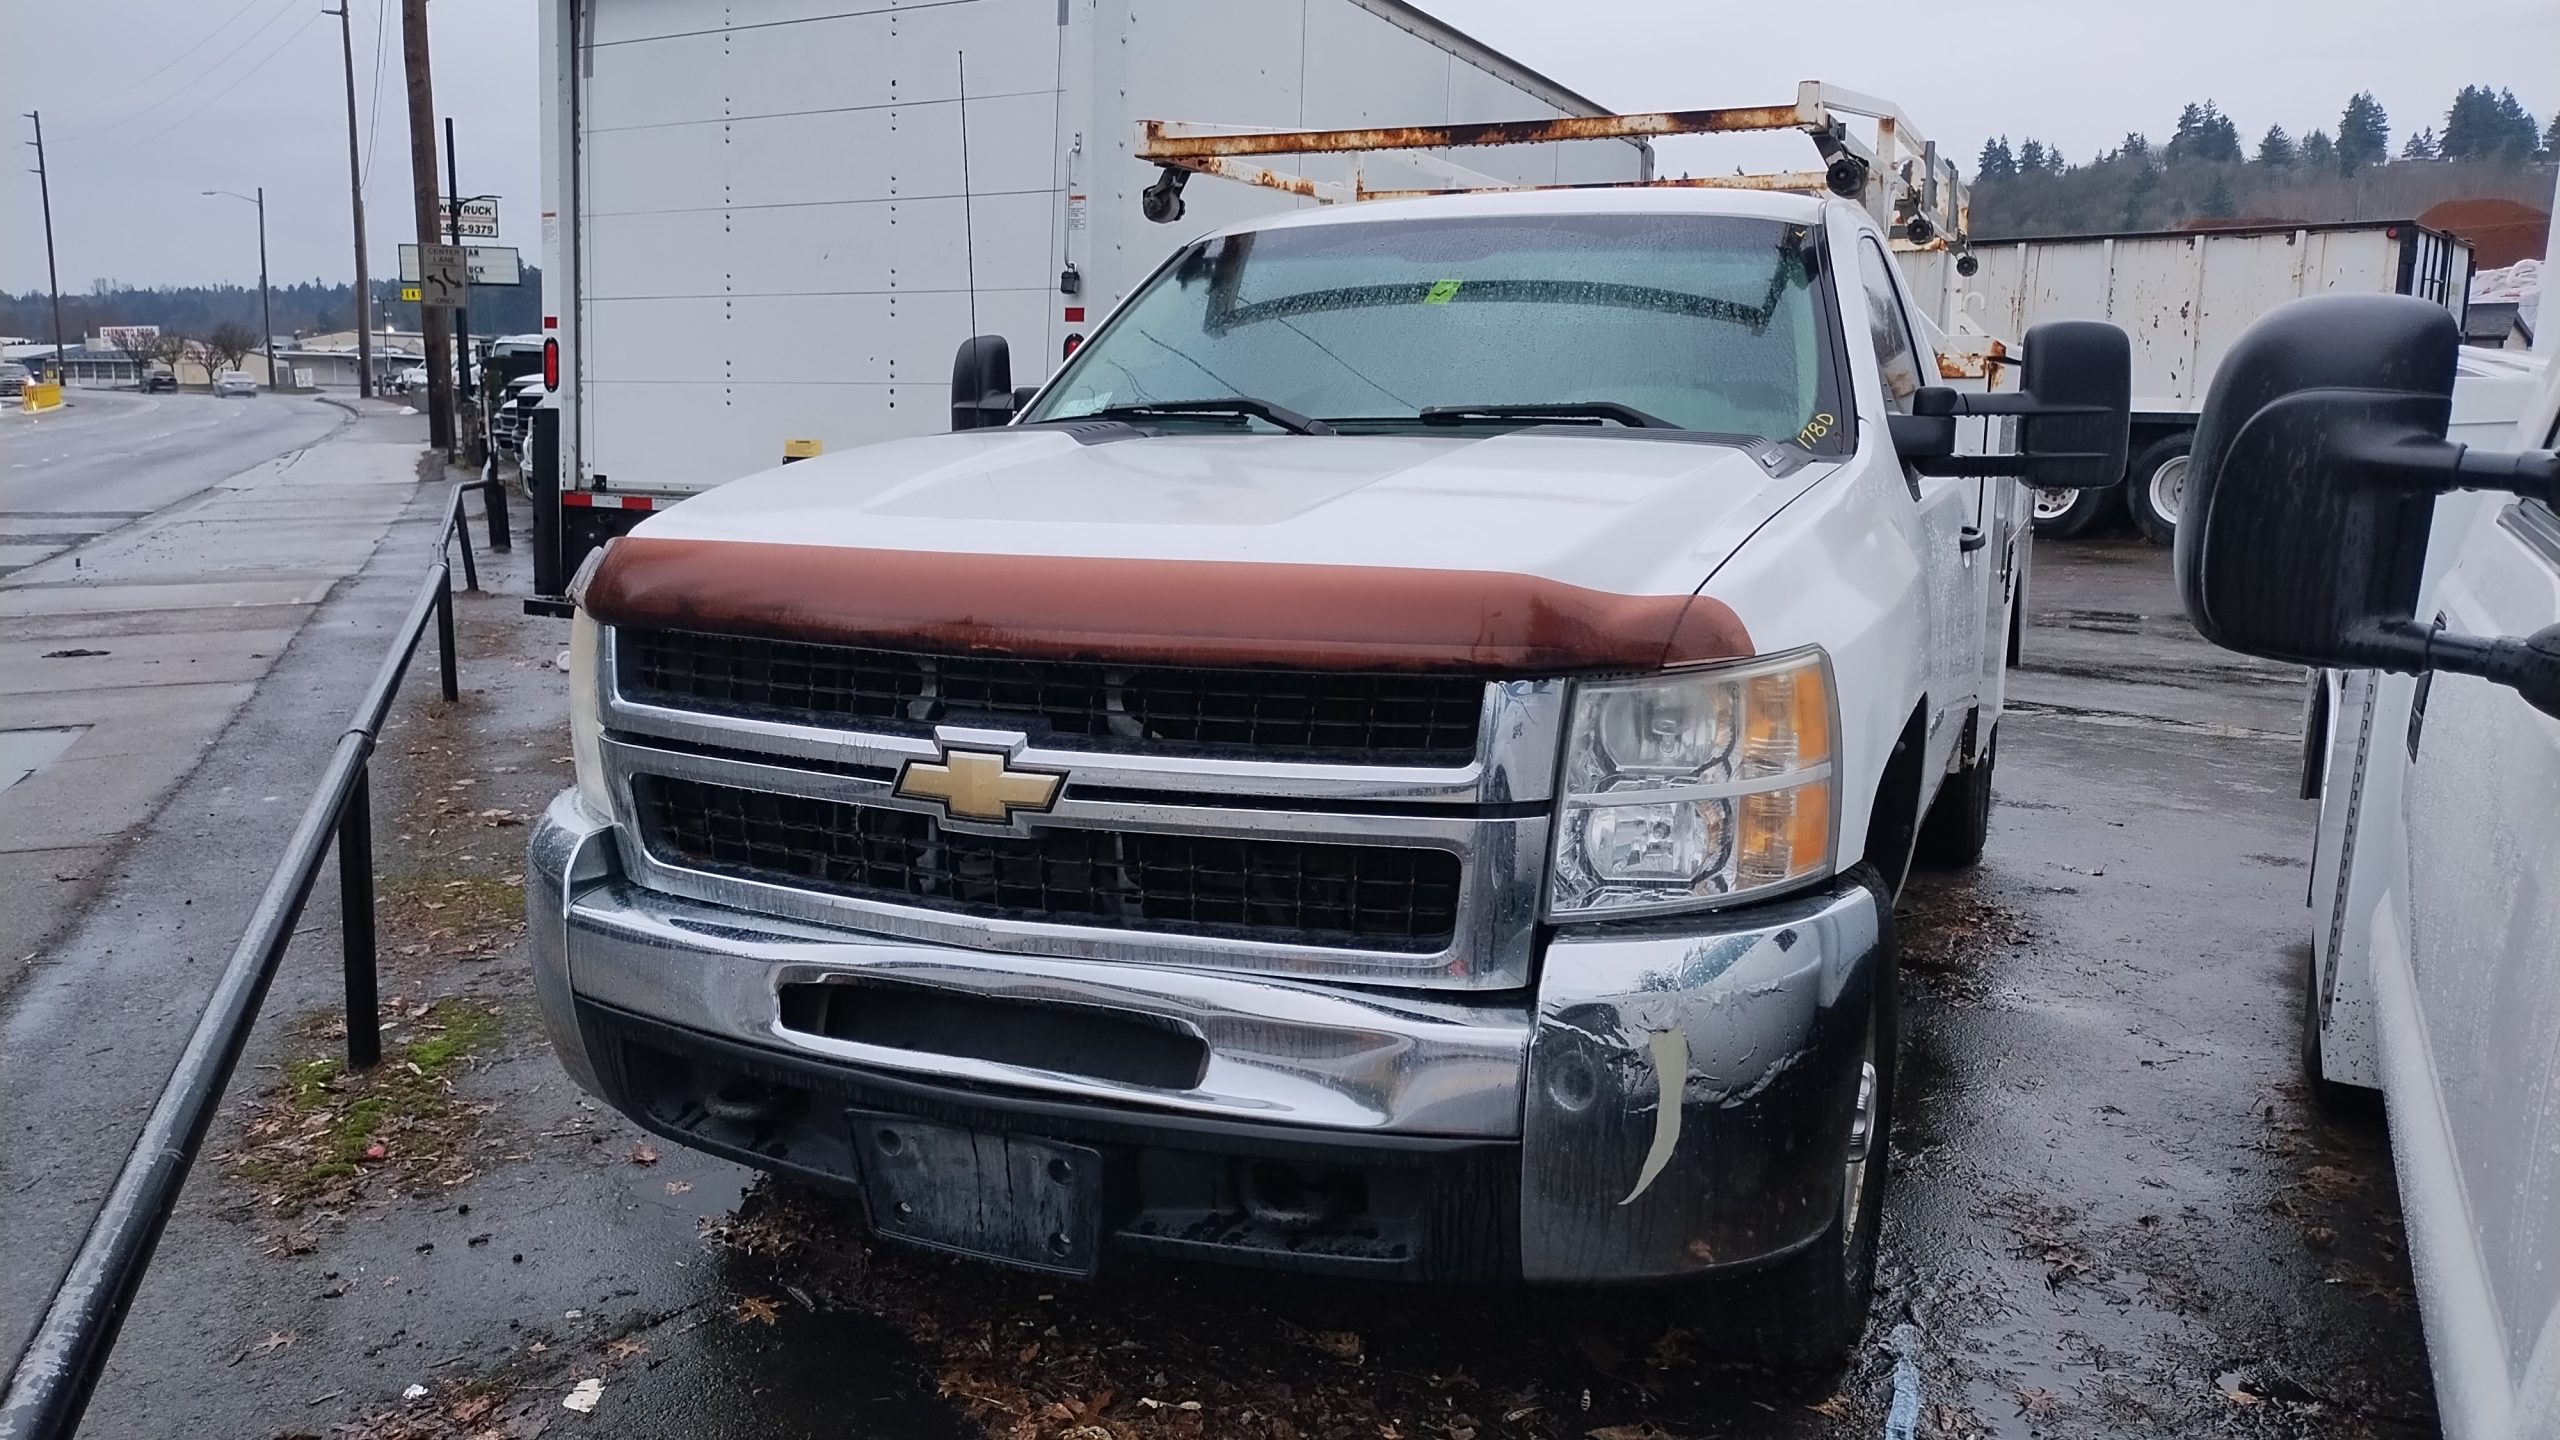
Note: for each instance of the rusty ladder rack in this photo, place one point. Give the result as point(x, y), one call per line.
point(1895, 173)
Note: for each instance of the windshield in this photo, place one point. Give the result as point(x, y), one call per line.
point(1707, 322)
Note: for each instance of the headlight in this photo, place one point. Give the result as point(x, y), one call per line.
point(586, 715)
point(1695, 788)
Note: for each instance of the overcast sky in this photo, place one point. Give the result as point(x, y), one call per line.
point(149, 102)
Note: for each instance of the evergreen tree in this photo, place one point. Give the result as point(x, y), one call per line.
point(2518, 140)
point(2031, 157)
point(1997, 163)
point(2135, 146)
point(2364, 133)
point(2551, 138)
point(2053, 160)
point(2318, 152)
point(2275, 148)
point(2182, 140)
point(2137, 200)
point(2218, 202)
point(2421, 146)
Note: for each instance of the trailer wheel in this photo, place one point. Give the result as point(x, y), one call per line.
point(2066, 514)
point(2154, 485)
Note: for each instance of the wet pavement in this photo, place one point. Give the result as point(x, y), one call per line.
point(2114, 1211)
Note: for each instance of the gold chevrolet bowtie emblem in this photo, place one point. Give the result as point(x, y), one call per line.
point(979, 785)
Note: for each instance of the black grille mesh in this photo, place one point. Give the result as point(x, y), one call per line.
point(1375, 897)
point(1361, 719)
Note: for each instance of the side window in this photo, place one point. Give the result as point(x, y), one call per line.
point(1897, 355)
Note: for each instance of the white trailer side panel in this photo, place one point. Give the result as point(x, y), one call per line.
point(2183, 298)
point(768, 239)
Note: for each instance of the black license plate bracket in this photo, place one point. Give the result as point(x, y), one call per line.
point(1035, 1204)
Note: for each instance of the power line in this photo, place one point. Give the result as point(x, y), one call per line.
point(209, 73)
point(245, 7)
point(373, 121)
point(216, 96)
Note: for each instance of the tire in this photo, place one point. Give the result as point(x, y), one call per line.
point(1808, 1310)
point(1959, 820)
point(2153, 485)
point(2066, 514)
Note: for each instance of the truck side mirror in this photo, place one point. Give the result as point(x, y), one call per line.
point(2075, 413)
point(981, 383)
point(2080, 380)
point(2302, 535)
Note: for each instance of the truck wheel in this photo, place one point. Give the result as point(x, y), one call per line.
point(1959, 820)
point(2063, 514)
point(2153, 485)
point(1807, 1310)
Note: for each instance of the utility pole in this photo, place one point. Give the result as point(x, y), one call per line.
point(422, 180)
point(52, 278)
point(355, 181)
point(266, 316)
point(461, 313)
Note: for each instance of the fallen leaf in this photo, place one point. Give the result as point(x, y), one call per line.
point(276, 1340)
point(466, 1411)
point(1340, 1344)
point(758, 1308)
point(582, 1397)
point(2034, 1401)
point(2239, 1397)
point(678, 1187)
point(644, 1154)
point(625, 1348)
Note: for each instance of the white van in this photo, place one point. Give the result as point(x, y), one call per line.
point(2328, 521)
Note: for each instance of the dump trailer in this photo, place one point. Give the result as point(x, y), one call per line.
point(765, 233)
point(2184, 296)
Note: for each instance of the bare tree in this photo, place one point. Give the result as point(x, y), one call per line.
point(168, 348)
point(138, 344)
point(229, 343)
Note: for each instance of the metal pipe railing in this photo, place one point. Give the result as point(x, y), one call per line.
point(50, 1387)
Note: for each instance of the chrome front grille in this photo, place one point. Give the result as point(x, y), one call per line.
point(1156, 850)
point(1362, 719)
point(1383, 896)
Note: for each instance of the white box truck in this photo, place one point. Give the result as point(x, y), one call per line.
point(2184, 296)
point(769, 229)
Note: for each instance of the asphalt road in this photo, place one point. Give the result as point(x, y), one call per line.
point(2114, 1212)
point(111, 457)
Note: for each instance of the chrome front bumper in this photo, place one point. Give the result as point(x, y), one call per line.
point(1753, 1019)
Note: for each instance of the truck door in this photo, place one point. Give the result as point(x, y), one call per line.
point(1954, 557)
point(2482, 806)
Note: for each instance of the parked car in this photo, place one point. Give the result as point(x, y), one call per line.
point(13, 376)
point(159, 379)
point(2328, 522)
point(510, 422)
point(234, 382)
point(412, 379)
point(1417, 790)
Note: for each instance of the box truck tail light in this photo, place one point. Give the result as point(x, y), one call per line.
point(1074, 339)
point(550, 364)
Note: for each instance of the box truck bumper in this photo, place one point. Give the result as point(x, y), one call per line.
point(1044, 1111)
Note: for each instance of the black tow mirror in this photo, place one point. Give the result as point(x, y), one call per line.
point(2302, 534)
point(2075, 413)
point(982, 383)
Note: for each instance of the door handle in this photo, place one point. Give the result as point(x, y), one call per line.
point(1971, 538)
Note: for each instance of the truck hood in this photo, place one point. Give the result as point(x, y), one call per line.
point(1524, 549)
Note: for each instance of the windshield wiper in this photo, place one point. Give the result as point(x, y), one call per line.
point(1567, 410)
point(1280, 415)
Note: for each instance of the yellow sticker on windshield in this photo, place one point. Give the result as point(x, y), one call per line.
point(1442, 292)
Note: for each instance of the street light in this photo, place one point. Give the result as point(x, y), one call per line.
point(266, 317)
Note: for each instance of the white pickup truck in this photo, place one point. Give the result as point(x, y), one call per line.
point(1394, 761)
point(2330, 522)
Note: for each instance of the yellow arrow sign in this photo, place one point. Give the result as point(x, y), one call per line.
point(409, 293)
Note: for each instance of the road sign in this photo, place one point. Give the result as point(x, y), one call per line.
point(479, 218)
point(489, 264)
point(409, 293)
point(444, 276)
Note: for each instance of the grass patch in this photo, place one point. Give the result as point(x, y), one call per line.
point(325, 1131)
